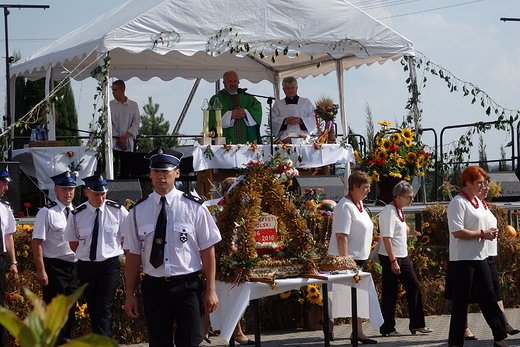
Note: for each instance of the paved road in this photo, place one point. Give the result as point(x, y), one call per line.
point(439, 324)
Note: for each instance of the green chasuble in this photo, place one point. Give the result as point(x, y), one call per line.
point(247, 102)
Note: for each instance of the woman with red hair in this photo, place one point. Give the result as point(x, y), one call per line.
point(468, 227)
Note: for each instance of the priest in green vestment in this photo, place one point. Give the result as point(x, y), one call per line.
point(241, 113)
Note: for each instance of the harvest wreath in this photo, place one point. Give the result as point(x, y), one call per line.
point(261, 192)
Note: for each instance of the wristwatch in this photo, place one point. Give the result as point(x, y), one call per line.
point(14, 263)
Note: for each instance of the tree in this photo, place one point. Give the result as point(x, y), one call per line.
point(29, 93)
point(151, 124)
point(369, 126)
point(482, 156)
point(503, 166)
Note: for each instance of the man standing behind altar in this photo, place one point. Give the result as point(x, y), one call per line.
point(125, 124)
point(293, 116)
point(54, 259)
point(241, 113)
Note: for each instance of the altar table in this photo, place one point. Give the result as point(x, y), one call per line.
point(234, 301)
point(207, 158)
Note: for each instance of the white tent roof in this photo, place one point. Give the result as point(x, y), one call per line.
point(183, 30)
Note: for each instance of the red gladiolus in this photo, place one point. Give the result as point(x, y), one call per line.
point(9, 296)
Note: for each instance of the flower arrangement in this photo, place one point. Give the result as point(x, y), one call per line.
point(307, 295)
point(395, 153)
point(325, 113)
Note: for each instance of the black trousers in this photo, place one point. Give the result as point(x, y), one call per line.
point(389, 294)
point(473, 277)
point(179, 300)
point(63, 279)
point(122, 162)
point(3, 270)
point(102, 278)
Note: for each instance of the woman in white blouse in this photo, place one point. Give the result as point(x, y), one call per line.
point(352, 229)
point(470, 234)
point(397, 266)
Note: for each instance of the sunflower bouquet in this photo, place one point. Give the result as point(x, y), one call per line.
point(395, 153)
point(309, 294)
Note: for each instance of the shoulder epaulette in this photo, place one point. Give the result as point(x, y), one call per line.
point(193, 198)
point(112, 203)
point(5, 202)
point(138, 202)
point(51, 204)
point(79, 208)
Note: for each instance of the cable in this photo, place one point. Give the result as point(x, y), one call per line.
point(433, 9)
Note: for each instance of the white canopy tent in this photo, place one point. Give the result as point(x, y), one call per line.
point(204, 38)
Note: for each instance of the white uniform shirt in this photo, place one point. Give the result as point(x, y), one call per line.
point(125, 118)
point(391, 226)
point(81, 224)
point(184, 216)
point(49, 225)
point(462, 215)
point(8, 224)
point(491, 223)
point(356, 225)
point(304, 109)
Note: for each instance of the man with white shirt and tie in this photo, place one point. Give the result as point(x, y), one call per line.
point(94, 233)
point(54, 259)
point(171, 235)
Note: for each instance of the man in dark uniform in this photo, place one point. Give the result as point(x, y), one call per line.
point(95, 235)
point(8, 227)
point(171, 234)
point(54, 259)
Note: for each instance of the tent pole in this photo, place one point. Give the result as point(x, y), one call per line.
point(186, 106)
point(109, 155)
point(51, 112)
point(342, 114)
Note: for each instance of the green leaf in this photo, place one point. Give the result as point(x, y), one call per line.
point(92, 340)
point(17, 327)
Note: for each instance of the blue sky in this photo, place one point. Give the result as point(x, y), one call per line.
point(466, 37)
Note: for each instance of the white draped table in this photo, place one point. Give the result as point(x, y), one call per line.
point(45, 162)
point(234, 301)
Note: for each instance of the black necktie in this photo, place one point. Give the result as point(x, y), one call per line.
point(157, 254)
point(95, 234)
point(67, 211)
point(1, 239)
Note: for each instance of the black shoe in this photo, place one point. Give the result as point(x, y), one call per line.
point(365, 341)
point(331, 336)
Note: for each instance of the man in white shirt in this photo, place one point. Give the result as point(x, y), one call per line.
point(125, 125)
point(54, 259)
point(293, 115)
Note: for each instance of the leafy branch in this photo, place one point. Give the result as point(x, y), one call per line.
point(229, 39)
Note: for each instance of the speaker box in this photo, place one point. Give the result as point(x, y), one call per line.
point(332, 186)
point(121, 189)
point(13, 193)
point(509, 183)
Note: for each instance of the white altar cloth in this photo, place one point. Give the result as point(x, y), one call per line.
point(233, 302)
point(239, 155)
point(45, 162)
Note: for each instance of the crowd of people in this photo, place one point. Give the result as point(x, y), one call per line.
point(170, 236)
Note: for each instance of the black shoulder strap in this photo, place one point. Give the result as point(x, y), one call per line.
point(138, 202)
point(112, 204)
point(79, 208)
point(193, 198)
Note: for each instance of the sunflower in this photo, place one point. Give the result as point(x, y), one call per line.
point(407, 178)
point(285, 295)
point(408, 142)
point(407, 133)
point(380, 153)
point(395, 174)
point(386, 143)
point(358, 157)
point(410, 157)
point(396, 137)
point(375, 176)
point(385, 123)
point(312, 290)
point(401, 163)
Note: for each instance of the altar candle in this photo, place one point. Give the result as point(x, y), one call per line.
point(218, 120)
point(205, 123)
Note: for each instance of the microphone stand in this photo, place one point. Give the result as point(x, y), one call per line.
point(270, 103)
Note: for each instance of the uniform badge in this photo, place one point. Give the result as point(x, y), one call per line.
point(184, 237)
point(159, 241)
point(160, 151)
